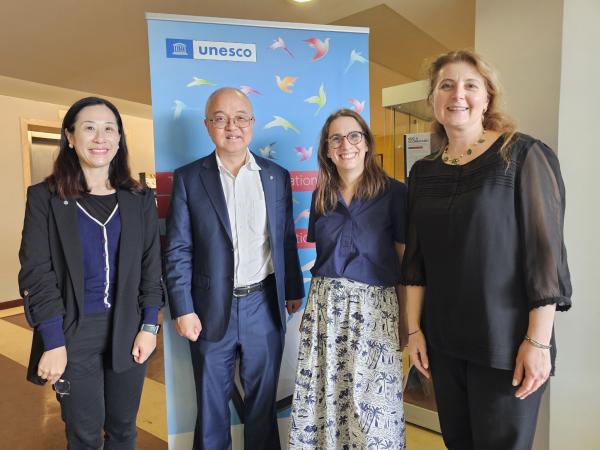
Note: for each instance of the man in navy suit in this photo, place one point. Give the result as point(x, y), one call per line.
point(231, 262)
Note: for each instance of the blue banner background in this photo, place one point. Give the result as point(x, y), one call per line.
point(180, 137)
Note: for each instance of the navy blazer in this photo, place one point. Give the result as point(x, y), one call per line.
point(199, 255)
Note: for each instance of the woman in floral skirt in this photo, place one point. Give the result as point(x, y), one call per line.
point(348, 391)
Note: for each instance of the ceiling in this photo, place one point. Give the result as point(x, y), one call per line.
point(101, 46)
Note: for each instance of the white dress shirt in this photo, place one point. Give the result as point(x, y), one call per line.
point(247, 212)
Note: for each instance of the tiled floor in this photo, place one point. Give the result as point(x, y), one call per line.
point(30, 415)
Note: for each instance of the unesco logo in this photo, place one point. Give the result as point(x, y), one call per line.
point(180, 48)
point(214, 50)
point(225, 51)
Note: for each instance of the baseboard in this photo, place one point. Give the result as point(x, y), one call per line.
point(11, 303)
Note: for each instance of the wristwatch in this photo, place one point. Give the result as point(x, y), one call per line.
point(150, 328)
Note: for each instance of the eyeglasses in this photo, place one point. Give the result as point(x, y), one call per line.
point(239, 121)
point(62, 387)
point(354, 138)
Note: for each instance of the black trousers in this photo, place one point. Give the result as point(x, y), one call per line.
point(477, 406)
point(99, 398)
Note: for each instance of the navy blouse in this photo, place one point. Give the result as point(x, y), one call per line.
point(356, 241)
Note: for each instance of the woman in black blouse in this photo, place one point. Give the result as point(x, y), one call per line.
point(91, 279)
point(485, 264)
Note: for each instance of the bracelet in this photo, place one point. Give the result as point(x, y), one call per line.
point(414, 332)
point(537, 344)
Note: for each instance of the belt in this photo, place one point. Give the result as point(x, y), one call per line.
point(242, 291)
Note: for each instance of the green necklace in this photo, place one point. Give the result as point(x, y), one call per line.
point(454, 161)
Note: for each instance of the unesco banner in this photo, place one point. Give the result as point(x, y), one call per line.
point(295, 75)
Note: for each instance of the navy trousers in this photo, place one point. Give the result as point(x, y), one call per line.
point(477, 406)
point(255, 334)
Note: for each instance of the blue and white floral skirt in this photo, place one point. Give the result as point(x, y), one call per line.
point(348, 392)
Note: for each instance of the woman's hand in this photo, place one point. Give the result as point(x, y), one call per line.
point(52, 364)
point(143, 346)
point(532, 369)
point(417, 350)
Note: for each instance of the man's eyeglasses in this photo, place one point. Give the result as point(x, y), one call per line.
point(239, 121)
point(354, 138)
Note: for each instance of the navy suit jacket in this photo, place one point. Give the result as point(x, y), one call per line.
point(199, 256)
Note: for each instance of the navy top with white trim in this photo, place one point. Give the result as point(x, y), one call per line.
point(100, 254)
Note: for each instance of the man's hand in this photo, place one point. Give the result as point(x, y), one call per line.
point(293, 305)
point(189, 326)
point(52, 364)
point(143, 346)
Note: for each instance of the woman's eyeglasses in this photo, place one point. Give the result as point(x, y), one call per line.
point(354, 138)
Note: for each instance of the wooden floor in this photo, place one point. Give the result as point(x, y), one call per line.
point(30, 415)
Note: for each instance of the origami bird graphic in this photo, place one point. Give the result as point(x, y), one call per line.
point(199, 82)
point(303, 215)
point(309, 265)
point(285, 83)
point(320, 99)
point(281, 122)
point(268, 151)
point(322, 47)
point(304, 152)
point(357, 105)
point(249, 90)
point(355, 57)
point(306, 267)
point(280, 43)
point(178, 107)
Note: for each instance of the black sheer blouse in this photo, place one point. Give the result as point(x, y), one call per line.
point(486, 239)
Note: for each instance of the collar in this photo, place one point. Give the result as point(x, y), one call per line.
point(249, 164)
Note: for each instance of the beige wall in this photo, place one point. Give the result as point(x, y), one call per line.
point(548, 65)
point(574, 397)
point(12, 201)
point(523, 41)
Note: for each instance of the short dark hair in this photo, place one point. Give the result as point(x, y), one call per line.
point(67, 178)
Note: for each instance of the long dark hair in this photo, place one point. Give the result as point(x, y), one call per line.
point(67, 178)
point(371, 182)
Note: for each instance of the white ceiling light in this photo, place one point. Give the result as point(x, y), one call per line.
point(299, 1)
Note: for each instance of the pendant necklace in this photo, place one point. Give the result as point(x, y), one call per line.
point(454, 161)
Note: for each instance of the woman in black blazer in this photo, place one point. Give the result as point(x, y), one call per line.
point(91, 279)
